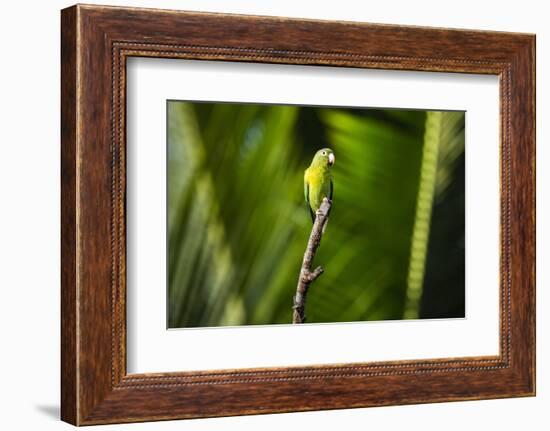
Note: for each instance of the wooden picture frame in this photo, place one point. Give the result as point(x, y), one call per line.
point(95, 43)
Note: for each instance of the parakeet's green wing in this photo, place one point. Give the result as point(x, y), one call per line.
point(306, 194)
point(331, 189)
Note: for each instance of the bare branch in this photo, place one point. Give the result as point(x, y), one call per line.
point(307, 276)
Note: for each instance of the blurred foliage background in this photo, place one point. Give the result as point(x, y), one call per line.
point(238, 224)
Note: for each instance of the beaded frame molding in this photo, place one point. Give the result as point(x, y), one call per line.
point(95, 43)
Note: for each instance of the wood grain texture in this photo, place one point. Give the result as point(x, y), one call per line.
point(69, 398)
point(96, 41)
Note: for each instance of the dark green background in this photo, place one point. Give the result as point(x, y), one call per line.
point(238, 224)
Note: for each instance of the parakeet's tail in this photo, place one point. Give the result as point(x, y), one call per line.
point(326, 222)
point(325, 226)
point(312, 214)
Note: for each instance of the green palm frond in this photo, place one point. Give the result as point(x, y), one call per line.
point(443, 144)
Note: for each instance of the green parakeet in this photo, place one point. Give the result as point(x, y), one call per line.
point(318, 180)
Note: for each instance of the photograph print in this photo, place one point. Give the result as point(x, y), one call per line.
point(287, 214)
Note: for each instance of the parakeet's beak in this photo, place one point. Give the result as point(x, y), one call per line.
point(331, 159)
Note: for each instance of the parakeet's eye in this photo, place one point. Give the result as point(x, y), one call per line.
point(324, 153)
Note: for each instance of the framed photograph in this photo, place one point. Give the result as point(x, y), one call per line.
point(265, 215)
